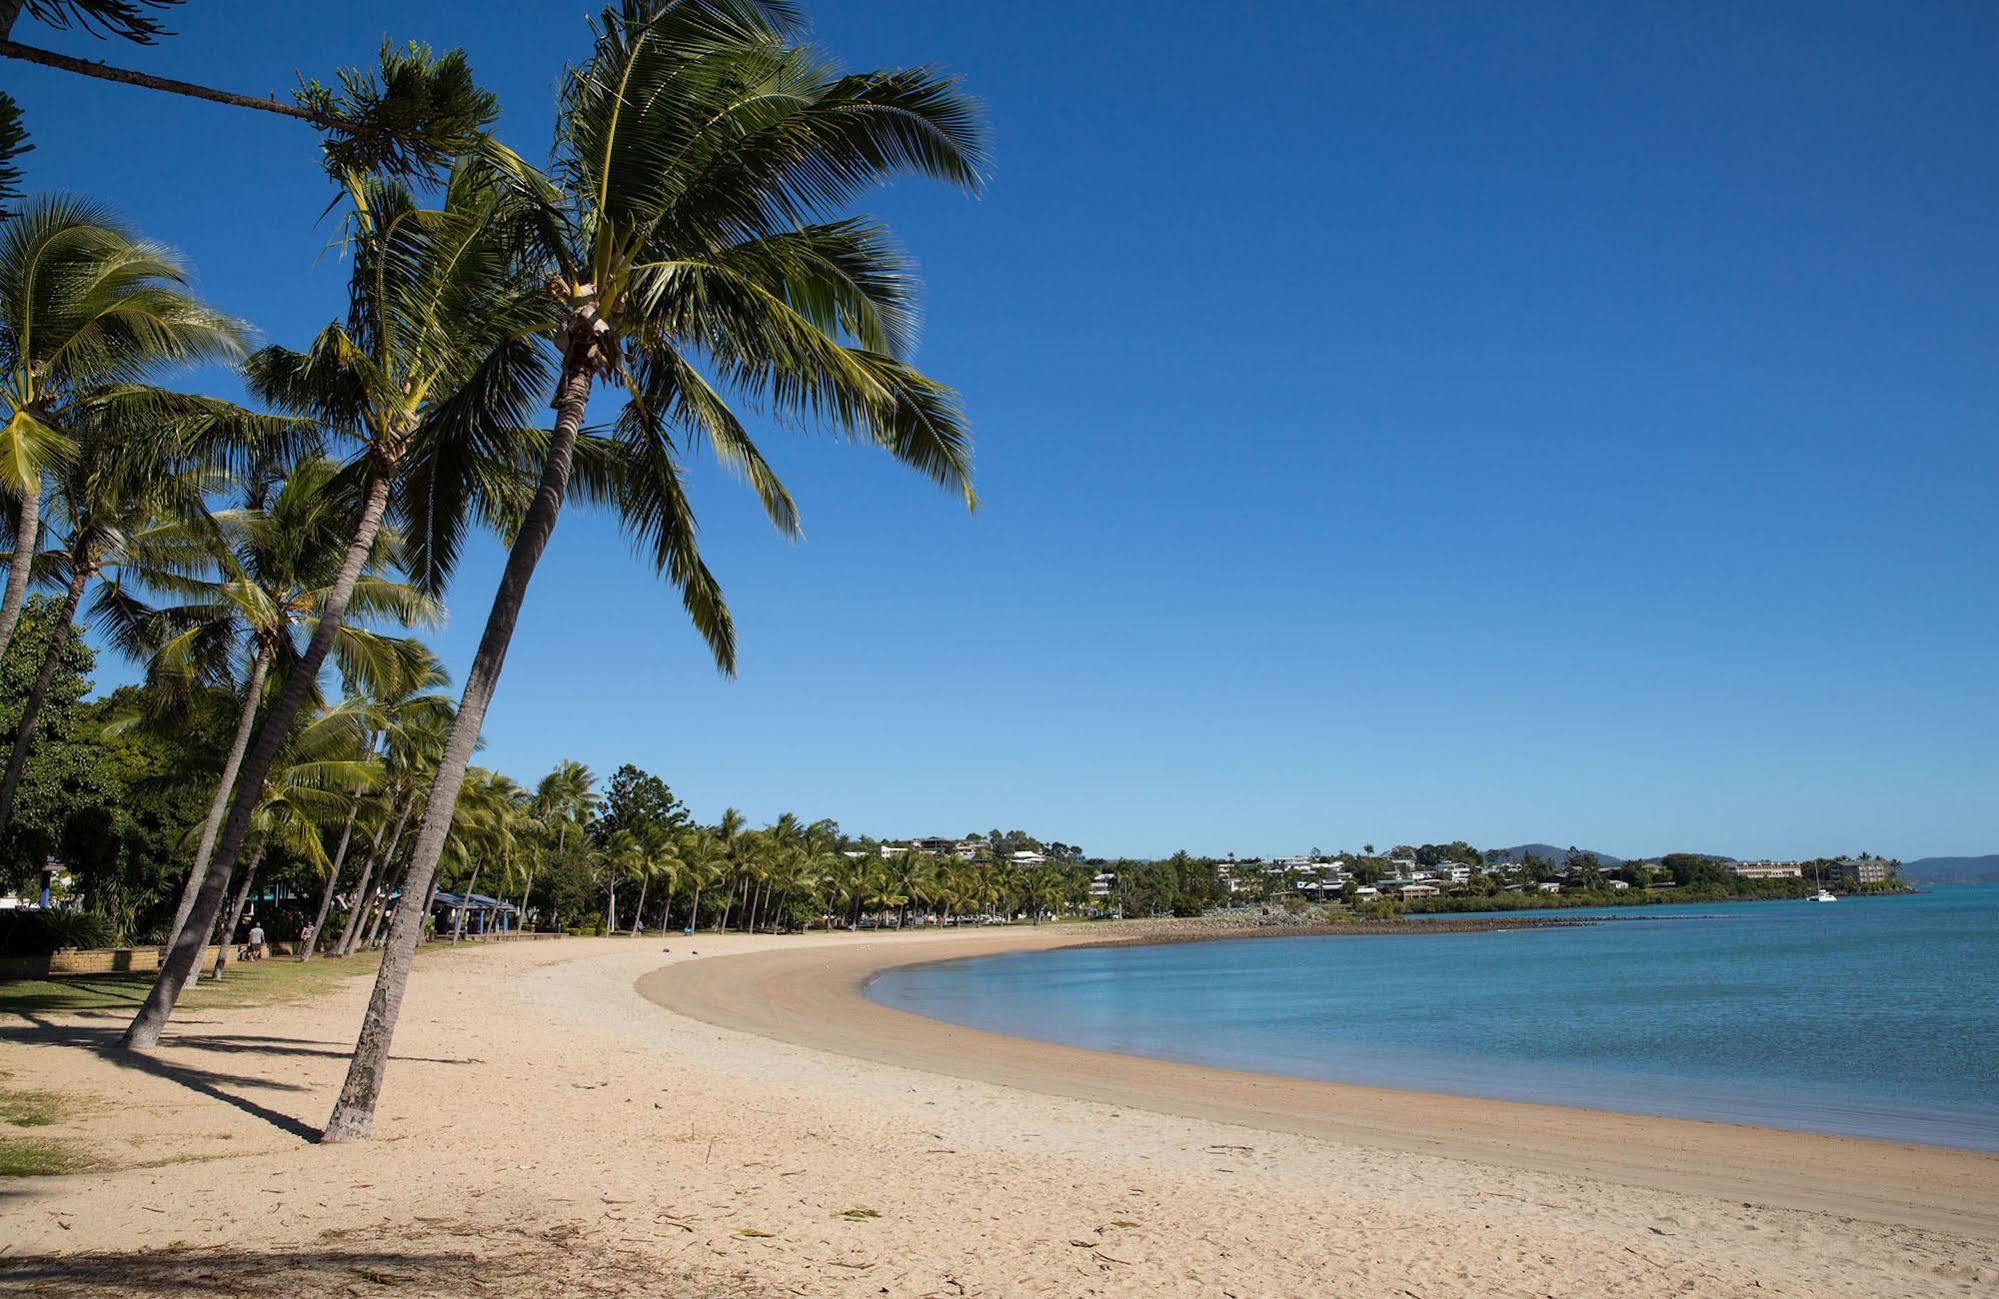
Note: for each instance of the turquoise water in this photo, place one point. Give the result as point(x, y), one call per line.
point(1871, 1017)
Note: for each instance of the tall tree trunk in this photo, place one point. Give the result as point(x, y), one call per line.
point(311, 944)
point(184, 955)
point(246, 722)
point(383, 907)
point(353, 921)
point(236, 913)
point(24, 731)
point(27, 538)
point(639, 911)
point(126, 77)
point(666, 913)
point(358, 924)
point(527, 891)
point(458, 925)
point(354, 1113)
point(694, 916)
point(728, 905)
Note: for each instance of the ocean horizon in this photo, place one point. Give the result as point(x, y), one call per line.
point(1870, 1017)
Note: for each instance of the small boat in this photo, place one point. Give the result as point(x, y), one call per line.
point(1823, 896)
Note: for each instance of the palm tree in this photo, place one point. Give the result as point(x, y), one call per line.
point(393, 712)
point(87, 310)
point(566, 798)
point(274, 563)
point(697, 150)
point(325, 765)
point(119, 507)
point(432, 377)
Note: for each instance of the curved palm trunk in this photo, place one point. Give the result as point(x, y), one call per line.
point(382, 908)
point(236, 914)
point(666, 913)
point(246, 722)
point(359, 920)
point(185, 953)
point(527, 891)
point(458, 926)
point(27, 532)
point(354, 1113)
point(639, 911)
point(332, 881)
point(694, 915)
point(51, 659)
point(353, 921)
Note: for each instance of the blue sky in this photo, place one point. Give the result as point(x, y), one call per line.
point(1394, 422)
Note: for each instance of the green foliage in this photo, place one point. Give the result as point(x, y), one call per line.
point(410, 117)
point(13, 144)
point(640, 804)
point(129, 852)
point(65, 772)
point(130, 20)
point(25, 932)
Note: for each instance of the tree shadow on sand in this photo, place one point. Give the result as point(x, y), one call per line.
point(212, 1083)
point(289, 1274)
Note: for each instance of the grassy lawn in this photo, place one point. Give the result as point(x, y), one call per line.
point(276, 981)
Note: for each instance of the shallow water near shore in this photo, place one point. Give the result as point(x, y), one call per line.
point(1870, 1017)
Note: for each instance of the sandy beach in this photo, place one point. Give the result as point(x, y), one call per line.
point(730, 1117)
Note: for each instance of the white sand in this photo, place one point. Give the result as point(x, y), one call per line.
point(547, 1130)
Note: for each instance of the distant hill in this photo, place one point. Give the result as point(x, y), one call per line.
point(1521, 851)
point(1953, 870)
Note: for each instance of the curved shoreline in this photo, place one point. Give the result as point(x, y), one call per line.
point(813, 996)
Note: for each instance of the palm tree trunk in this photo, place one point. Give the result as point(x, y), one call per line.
point(728, 905)
point(666, 913)
point(246, 722)
point(27, 533)
point(458, 926)
point(527, 891)
point(382, 907)
point(354, 1113)
point(307, 948)
point(126, 77)
point(51, 659)
point(694, 916)
point(236, 914)
point(185, 954)
point(365, 908)
point(353, 920)
point(639, 911)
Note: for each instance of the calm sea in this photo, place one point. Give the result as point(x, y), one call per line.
point(1872, 1017)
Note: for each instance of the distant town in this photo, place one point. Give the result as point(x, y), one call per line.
point(1416, 878)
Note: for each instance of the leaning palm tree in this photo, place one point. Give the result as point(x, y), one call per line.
point(701, 152)
point(322, 768)
point(120, 506)
point(242, 622)
point(431, 379)
point(87, 309)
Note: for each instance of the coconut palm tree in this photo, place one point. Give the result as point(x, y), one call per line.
point(118, 515)
point(391, 710)
point(250, 617)
point(88, 309)
point(431, 380)
point(699, 151)
point(317, 776)
point(565, 800)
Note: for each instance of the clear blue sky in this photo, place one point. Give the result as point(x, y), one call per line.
point(1542, 420)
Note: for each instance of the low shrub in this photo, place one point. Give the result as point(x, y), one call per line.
point(31, 932)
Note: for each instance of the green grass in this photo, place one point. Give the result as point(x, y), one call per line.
point(31, 1109)
point(278, 981)
point(40, 1157)
point(858, 1215)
